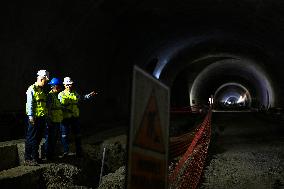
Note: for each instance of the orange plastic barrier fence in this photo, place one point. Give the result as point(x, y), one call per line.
point(188, 171)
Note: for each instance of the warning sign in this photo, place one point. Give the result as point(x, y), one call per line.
point(147, 172)
point(150, 134)
point(147, 166)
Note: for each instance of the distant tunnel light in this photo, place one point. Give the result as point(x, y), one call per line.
point(210, 100)
point(242, 98)
point(231, 100)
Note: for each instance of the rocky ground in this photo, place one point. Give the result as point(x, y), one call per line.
point(247, 152)
point(70, 172)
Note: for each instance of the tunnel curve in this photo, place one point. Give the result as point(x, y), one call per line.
point(246, 67)
point(236, 90)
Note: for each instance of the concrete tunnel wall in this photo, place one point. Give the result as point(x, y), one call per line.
point(97, 43)
point(259, 80)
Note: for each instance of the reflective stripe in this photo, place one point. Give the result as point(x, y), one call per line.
point(39, 108)
point(56, 114)
point(70, 101)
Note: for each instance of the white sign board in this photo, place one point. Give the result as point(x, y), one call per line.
point(149, 133)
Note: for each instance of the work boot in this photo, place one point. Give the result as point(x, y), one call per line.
point(64, 155)
point(31, 163)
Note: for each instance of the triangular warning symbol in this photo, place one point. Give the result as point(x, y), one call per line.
point(149, 135)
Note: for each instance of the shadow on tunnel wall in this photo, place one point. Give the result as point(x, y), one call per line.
point(12, 125)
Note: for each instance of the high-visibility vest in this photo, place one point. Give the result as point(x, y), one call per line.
point(69, 100)
point(39, 101)
point(55, 111)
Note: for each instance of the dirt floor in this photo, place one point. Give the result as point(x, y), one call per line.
point(70, 171)
point(246, 152)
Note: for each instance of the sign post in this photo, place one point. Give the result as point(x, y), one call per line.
point(149, 133)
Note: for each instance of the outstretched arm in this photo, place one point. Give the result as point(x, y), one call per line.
point(86, 96)
point(90, 95)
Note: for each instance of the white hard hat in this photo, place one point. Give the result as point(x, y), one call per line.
point(67, 80)
point(43, 73)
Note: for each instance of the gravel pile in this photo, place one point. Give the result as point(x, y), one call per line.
point(248, 154)
point(61, 176)
point(114, 180)
point(244, 170)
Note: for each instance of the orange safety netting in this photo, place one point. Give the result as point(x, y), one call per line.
point(194, 146)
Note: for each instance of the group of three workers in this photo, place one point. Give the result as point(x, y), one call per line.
point(51, 113)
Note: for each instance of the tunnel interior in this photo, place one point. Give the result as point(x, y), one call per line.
point(221, 76)
point(232, 95)
point(231, 51)
point(193, 47)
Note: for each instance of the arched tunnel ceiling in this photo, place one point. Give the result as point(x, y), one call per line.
point(205, 81)
point(102, 39)
point(214, 59)
point(238, 69)
point(238, 92)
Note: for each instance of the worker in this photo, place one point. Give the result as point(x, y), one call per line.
point(55, 117)
point(36, 111)
point(69, 98)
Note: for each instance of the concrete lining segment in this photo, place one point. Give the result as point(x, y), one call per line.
point(243, 65)
point(11, 153)
point(12, 173)
point(11, 142)
point(19, 171)
point(9, 157)
point(22, 177)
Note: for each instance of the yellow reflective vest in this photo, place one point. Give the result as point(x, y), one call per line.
point(39, 108)
point(55, 107)
point(69, 100)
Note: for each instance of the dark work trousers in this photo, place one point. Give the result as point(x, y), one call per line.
point(67, 125)
point(51, 137)
point(34, 134)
